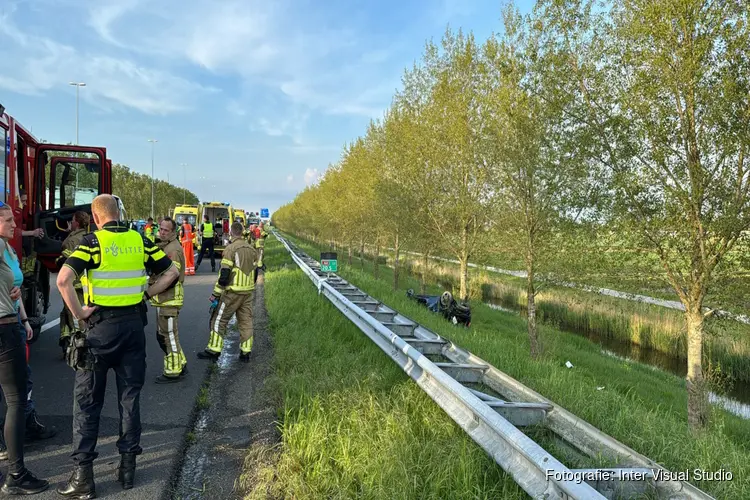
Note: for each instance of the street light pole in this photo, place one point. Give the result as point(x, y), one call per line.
point(153, 143)
point(77, 85)
point(184, 186)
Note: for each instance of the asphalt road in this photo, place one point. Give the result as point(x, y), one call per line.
point(165, 409)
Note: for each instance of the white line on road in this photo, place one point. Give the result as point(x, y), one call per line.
point(50, 324)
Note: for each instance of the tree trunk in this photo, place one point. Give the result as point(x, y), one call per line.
point(536, 348)
point(425, 263)
point(463, 290)
point(463, 260)
point(361, 253)
point(349, 254)
point(395, 262)
point(376, 260)
point(697, 397)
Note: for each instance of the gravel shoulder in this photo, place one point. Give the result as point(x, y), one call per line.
point(235, 422)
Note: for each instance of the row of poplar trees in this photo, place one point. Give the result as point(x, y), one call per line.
point(590, 137)
point(135, 191)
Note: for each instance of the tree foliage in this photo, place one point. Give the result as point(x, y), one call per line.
point(135, 191)
point(610, 135)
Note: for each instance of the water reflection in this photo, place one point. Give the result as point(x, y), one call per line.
point(737, 400)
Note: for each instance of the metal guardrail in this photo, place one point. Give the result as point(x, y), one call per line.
point(491, 421)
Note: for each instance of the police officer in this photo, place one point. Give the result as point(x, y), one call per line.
point(115, 261)
point(79, 227)
point(206, 230)
point(232, 294)
point(168, 304)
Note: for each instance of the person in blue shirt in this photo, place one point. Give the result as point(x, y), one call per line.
point(13, 365)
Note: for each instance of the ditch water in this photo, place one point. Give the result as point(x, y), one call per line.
point(736, 400)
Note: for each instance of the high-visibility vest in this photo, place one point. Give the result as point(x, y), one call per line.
point(120, 280)
point(149, 231)
point(208, 230)
point(187, 233)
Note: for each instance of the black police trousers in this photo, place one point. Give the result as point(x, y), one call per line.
point(120, 344)
point(207, 245)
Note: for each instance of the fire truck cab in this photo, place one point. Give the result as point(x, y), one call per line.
point(58, 180)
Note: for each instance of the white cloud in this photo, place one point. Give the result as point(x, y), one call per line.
point(286, 46)
point(289, 179)
point(311, 176)
point(35, 64)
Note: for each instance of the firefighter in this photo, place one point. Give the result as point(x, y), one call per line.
point(233, 294)
point(79, 227)
point(260, 242)
point(206, 231)
point(115, 260)
point(186, 238)
point(150, 230)
point(168, 305)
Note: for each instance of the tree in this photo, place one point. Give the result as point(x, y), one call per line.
point(537, 180)
point(663, 85)
point(454, 180)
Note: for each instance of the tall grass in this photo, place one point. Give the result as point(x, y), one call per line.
point(644, 408)
point(727, 345)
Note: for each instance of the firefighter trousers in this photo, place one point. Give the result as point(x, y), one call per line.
point(169, 340)
point(230, 304)
point(68, 324)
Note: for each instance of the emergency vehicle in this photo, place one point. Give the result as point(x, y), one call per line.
point(221, 216)
point(58, 180)
point(239, 216)
point(188, 213)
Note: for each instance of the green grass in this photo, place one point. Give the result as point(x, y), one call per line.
point(727, 343)
point(354, 425)
point(642, 407)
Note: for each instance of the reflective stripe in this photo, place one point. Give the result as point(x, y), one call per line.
point(119, 290)
point(108, 275)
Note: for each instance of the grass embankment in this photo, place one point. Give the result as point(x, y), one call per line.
point(727, 344)
point(353, 424)
point(642, 407)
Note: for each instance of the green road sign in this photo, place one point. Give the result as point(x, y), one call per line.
point(329, 266)
point(329, 262)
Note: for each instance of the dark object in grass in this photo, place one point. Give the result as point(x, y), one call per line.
point(445, 304)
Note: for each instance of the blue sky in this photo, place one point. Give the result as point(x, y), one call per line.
point(256, 97)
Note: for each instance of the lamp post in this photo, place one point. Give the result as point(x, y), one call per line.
point(78, 86)
point(184, 186)
point(153, 143)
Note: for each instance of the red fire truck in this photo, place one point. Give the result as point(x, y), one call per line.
point(58, 180)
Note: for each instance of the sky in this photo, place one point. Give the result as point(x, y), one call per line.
point(257, 98)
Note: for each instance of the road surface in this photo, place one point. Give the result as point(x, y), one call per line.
point(165, 409)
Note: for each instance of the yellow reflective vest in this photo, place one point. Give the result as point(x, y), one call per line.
point(120, 280)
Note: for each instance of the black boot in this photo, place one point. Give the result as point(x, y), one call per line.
point(126, 470)
point(81, 483)
point(208, 355)
point(24, 483)
point(35, 431)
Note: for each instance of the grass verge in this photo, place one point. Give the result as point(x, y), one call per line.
point(727, 342)
point(354, 425)
point(642, 407)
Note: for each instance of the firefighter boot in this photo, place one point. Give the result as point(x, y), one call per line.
point(126, 470)
point(81, 485)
